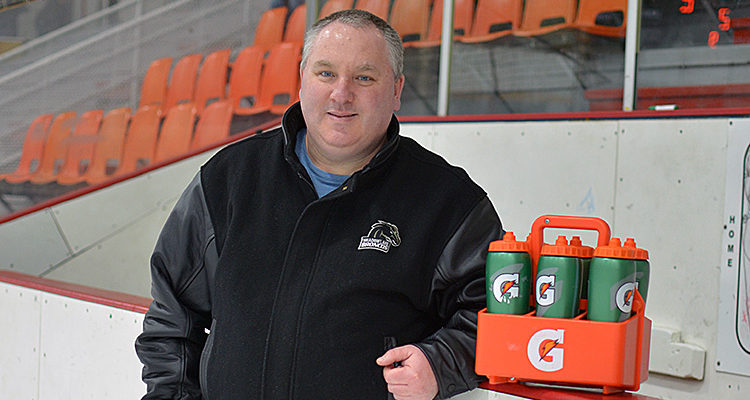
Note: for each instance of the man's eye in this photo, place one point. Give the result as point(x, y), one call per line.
point(364, 78)
point(326, 74)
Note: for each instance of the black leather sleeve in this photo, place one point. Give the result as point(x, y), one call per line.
point(174, 326)
point(458, 293)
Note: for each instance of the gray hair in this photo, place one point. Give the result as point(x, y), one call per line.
point(360, 19)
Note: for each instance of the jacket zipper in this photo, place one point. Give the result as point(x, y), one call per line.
point(276, 296)
point(389, 342)
point(205, 356)
point(313, 270)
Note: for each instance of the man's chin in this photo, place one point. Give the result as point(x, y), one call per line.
point(338, 135)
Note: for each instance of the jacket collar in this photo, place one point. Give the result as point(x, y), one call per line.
point(293, 121)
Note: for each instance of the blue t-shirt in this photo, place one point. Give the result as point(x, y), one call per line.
point(324, 182)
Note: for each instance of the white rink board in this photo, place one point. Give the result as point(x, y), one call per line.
point(534, 168)
point(66, 348)
point(670, 197)
point(20, 311)
point(661, 181)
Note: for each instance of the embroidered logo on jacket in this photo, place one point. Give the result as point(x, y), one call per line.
point(381, 237)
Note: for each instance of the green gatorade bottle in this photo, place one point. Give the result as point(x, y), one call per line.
point(642, 268)
point(584, 254)
point(611, 283)
point(558, 280)
point(508, 273)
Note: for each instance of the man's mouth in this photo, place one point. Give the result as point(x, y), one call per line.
point(341, 114)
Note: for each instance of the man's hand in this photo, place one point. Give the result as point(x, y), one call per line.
point(413, 379)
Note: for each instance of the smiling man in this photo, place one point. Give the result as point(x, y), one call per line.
point(347, 101)
point(331, 258)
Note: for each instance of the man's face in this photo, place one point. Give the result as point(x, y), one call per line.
point(348, 94)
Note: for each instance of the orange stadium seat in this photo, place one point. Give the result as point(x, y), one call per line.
point(212, 80)
point(154, 86)
point(33, 148)
point(544, 16)
point(295, 27)
point(409, 18)
point(140, 141)
point(80, 148)
point(493, 19)
point(377, 7)
point(182, 83)
point(278, 84)
point(279, 87)
point(331, 6)
point(463, 12)
point(270, 29)
point(213, 125)
point(602, 17)
point(176, 133)
point(54, 148)
point(244, 82)
point(108, 150)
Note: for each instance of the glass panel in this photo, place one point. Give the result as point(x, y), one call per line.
point(421, 67)
point(514, 56)
point(421, 36)
point(694, 54)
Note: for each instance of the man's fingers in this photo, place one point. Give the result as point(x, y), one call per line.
point(414, 379)
point(398, 391)
point(397, 354)
point(398, 376)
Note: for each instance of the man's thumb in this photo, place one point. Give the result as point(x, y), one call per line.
point(393, 355)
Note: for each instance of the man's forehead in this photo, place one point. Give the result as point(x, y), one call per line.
point(340, 30)
point(367, 60)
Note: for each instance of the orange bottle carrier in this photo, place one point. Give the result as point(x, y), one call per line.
point(612, 356)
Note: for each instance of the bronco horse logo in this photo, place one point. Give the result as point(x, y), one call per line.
point(381, 237)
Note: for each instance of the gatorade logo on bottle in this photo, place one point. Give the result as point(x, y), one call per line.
point(505, 284)
point(545, 350)
point(624, 296)
point(545, 290)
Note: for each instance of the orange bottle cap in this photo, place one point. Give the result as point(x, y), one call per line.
point(614, 250)
point(584, 251)
point(509, 243)
point(576, 241)
point(640, 254)
point(560, 248)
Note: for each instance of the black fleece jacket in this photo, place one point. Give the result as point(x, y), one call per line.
point(299, 294)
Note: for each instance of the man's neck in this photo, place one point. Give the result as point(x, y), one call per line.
point(344, 166)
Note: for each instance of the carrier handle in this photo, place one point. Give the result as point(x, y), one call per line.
point(536, 237)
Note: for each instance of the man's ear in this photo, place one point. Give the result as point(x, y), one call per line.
point(398, 87)
point(299, 95)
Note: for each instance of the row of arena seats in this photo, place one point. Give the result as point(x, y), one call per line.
point(73, 150)
point(419, 22)
point(256, 81)
point(70, 150)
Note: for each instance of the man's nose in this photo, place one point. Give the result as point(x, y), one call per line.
point(343, 90)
